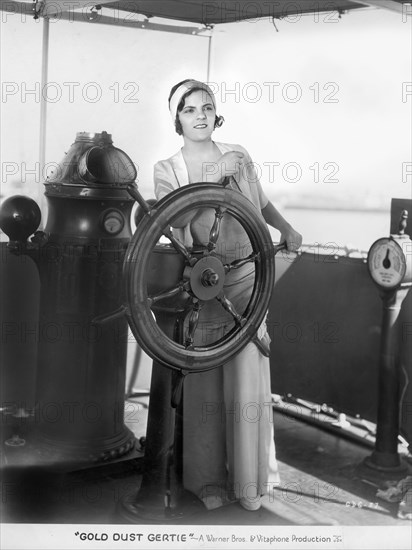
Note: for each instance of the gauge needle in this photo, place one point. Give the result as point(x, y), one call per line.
point(386, 262)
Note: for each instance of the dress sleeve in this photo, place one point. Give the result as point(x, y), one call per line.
point(162, 180)
point(251, 176)
point(262, 196)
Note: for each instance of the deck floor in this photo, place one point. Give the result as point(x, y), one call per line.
point(322, 484)
point(324, 492)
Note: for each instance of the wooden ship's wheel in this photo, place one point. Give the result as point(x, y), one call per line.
point(184, 280)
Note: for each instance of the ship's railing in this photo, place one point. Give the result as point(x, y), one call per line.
point(333, 250)
point(324, 416)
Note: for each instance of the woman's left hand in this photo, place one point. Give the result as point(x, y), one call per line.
point(292, 238)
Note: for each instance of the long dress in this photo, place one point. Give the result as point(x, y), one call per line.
point(228, 442)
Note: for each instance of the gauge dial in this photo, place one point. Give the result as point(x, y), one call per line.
point(113, 222)
point(386, 263)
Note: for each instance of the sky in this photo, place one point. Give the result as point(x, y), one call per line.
point(323, 104)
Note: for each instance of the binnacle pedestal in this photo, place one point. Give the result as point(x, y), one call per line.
point(81, 366)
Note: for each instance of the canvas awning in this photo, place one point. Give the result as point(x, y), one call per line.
point(213, 12)
point(207, 13)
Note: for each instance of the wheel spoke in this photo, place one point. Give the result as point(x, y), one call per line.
point(228, 306)
point(181, 287)
point(214, 232)
point(240, 263)
point(180, 247)
point(193, 322)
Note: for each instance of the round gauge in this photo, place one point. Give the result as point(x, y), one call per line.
point(386, 263)
point(113, 222)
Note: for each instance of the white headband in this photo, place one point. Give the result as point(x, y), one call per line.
point(182, 89)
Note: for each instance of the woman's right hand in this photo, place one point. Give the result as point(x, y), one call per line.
point(229, 163)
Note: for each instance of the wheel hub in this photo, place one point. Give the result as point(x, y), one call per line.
point(206, 277)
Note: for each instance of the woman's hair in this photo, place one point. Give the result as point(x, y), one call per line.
point(219, 120)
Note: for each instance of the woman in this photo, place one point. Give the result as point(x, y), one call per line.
point(229, 450)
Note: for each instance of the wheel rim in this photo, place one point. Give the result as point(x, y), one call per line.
point(201, 281)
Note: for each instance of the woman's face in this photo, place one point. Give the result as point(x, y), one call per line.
point(198, 116)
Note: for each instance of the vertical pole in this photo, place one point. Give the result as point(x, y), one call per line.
point(388, 406)
point(209, 58)
point(43, 115)
point(385, 457)
point(157, 497)
point(161, 495)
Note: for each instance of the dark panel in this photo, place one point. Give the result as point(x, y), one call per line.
point(325, 323)
point(19, 322)
point(406, 368)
